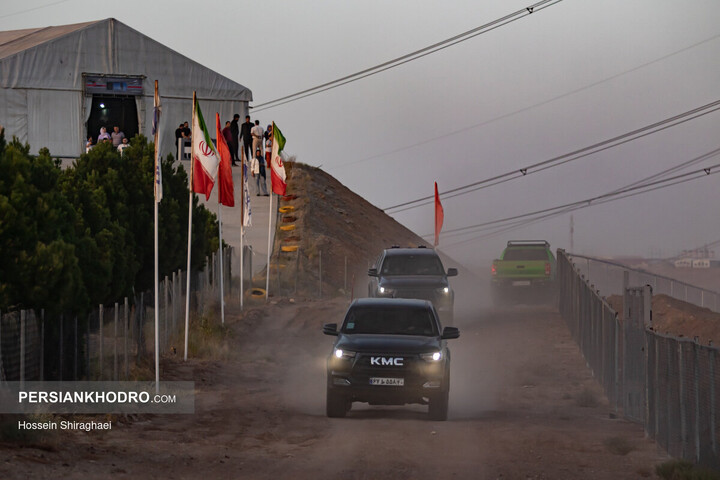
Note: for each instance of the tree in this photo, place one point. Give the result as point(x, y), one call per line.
point(84, 236)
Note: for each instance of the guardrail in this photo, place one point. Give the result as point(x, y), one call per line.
point(607, 276)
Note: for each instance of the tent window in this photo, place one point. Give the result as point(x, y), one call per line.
point(111, 110)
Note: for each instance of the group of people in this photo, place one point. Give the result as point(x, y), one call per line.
point(117, 137)
point(255, 139)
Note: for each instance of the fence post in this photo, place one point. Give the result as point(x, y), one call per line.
point(713, 439)
point(101, 338)
point(683, 409)
point(696, 374)
point(75, 357)
point(2, 369)
point(22, 348)
point(60, 376)
point(165, 315)
point(115, 349)
point(87, 349)
point(125, 335)
point(174, 299)
point(42, 344)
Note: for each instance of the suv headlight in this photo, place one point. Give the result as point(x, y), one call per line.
point(340, 353)
point(385, 291)
point(431, 356)
point(444, 290)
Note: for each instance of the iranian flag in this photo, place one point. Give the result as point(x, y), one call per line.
point(226, 190)
point(277, 169)
point(205, 157)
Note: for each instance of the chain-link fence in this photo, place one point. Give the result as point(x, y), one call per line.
point(107, 342)
point(667, 384)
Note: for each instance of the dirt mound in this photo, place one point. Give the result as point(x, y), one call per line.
point(325, 229)
point(678, 318)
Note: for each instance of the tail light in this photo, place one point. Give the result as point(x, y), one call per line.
point(494, 269)
point(547, 268)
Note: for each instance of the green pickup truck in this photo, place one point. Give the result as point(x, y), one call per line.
point(524, 273)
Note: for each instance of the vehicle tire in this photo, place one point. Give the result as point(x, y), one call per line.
point(336, 406)
point(438, 409)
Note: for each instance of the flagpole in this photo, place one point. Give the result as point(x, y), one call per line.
point(267, 280)
point(187, 289)
point(157, 268)
point(242, 229)
point(222, 290)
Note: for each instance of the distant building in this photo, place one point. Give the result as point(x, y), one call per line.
point(59, 85)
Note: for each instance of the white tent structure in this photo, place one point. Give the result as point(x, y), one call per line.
point(58, 85)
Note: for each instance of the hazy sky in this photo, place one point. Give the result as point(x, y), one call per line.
point(569, 76)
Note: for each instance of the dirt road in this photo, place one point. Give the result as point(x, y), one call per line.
point(522, 405)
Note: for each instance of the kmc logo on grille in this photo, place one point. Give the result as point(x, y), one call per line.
point(387, 361)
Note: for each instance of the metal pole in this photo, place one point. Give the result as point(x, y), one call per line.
point(115, 339)
point(166, 312)
point(22, 348)
point(220, 259)
point(126, 317)
point(75, 358)
point(102, 315)
point(60, 376)
point(42, 344)
point(189, 248)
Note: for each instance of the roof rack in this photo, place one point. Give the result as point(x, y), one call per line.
point(528, 243)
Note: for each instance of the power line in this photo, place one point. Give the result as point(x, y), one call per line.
point(567, 157)
point(522, 220)
point(525, 109)
point(417, 54)
point(535, 220)
point(32, 9)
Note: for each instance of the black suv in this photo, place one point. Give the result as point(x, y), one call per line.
point(413, 273)
point(389, 352)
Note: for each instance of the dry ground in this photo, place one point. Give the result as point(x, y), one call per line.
point(523, 405)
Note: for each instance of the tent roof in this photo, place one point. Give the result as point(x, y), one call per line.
point(57, 57)
point(16, 41)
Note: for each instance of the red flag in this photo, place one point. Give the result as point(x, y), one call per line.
point(226, 191)
point(439, 216)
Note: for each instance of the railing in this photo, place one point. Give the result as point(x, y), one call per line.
point(668, 384)
point(106, 343)
point(607, 276)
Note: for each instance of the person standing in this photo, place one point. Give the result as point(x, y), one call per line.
point(228, 136)
point(233, 142)
point(268, 144)
point(261, 177)
point(257, 136)
point(117, 136)
point(103, 135)
point(246, 137)
point(178, 136)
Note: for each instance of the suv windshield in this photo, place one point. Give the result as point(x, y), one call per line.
point(390, 321)
point(525, 254)
point(412, 265)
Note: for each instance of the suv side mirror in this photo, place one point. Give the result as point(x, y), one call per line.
point(449, 333)
point(330, 329)
point(372, 272)
point(452, 272)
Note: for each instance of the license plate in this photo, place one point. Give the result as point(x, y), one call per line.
point(521, 283)
point(395, 382)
